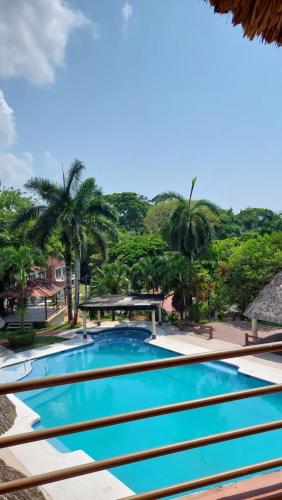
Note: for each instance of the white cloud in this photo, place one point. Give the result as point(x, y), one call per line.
point(7, 124)
point(34, 35)
point(127, 15)
point(14, 170)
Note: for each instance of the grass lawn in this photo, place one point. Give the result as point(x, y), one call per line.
point(44, 336)
point(39, 342)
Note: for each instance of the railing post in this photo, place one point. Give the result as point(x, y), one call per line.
point(210, 333)
point(246, 338)
point(84, 325)
point(98, 318)
point(154, 333)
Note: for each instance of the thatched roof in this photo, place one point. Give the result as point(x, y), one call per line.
point(268, 305)
point(7, 414)
point(262, 18)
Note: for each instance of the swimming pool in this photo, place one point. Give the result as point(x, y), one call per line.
point(67, 404)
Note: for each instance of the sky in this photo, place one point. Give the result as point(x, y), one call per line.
point(147, 93)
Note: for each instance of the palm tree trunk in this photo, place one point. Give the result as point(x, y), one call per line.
point(76, 288)
point(68, 280)
point(77, 267)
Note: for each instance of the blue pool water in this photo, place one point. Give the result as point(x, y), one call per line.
point(66, 404)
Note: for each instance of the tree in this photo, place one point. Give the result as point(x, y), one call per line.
point(12, 203)
point(251, 266)
point(72, 209)
point(149, 273)
point(189, 228)
point(157, 216)
point(112, 278)
point(131, 208)
point(134, 247)
point(260, 220)
point(15, 267)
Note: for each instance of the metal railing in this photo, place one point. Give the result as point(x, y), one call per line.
point(67, 473)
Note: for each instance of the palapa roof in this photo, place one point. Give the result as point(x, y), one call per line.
point(121, 302)
point(35, 288)
point(262, 18)
point(268, 305)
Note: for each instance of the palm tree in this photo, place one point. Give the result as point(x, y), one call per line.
point(111, 278)
point(75, 209)
point(189, 228)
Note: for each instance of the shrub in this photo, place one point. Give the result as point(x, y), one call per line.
point(18, 339)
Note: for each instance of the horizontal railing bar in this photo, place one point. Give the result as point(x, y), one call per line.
point(207, 481)
point(51, 432)
point(109, 463)
point(114, 371)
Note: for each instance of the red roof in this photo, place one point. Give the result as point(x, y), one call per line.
point(53, 261)
point(35, 288)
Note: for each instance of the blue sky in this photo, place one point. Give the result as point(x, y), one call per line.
point(147, 93)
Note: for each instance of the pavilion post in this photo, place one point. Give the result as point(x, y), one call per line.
point(98, 318)
point(255, 327)
point(154, 333)
point(45, 305)
point(160, 315)
point(84, 325)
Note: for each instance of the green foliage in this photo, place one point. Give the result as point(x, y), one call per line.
point(112, 278)
point(131, 208)
point(135, 247)
point(158, 215)
point(12, 203)
point(149, 273)
point(251, 266)
point(260, 220)
point(21, 339)
point(190, 228)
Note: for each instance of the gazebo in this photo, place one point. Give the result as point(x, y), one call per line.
point(268, 304)
point(262, 18)
point(119, 302)
point(38, 288)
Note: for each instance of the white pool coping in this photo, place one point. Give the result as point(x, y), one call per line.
point(104, 485)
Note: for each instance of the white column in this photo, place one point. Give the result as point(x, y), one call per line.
point(154, 333)
point(160, 315)
point(98, 318)
point(84, 325)
point(255, 327)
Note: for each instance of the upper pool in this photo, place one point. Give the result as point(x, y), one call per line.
point(71, 403)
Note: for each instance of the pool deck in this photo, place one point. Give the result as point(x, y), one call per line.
point(104, 485)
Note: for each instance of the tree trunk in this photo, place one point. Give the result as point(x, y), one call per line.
point(68, 281)
point(77, 271)
point(76, 288)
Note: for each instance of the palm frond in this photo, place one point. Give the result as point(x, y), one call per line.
point(74, 175)
point(27, 215)
point(168, 195)
point(46, 189)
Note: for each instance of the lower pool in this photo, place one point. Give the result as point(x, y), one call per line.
point(72, 403)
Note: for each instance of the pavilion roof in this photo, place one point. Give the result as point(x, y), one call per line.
point(35, 288)
point(262, 18)
point(121, 302)
point(268, 305)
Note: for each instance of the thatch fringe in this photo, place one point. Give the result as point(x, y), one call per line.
point(268, 305)
point(262, 18)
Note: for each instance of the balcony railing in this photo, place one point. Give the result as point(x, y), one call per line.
point(79, 470)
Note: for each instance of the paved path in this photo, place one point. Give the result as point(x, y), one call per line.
point(234, 331)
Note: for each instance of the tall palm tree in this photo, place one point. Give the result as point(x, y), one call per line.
point(70, 208)
point(189, 227)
